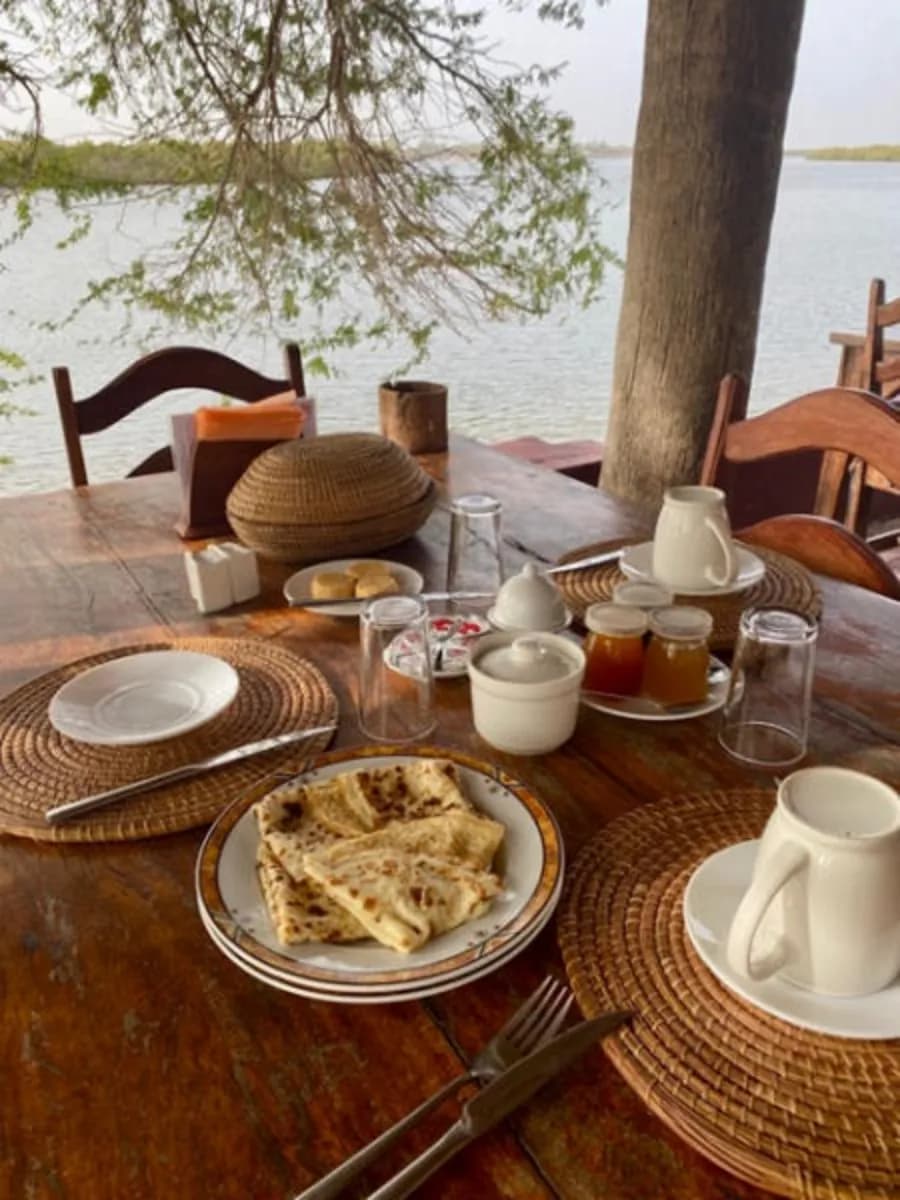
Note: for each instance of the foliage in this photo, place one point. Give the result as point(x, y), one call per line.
point(312, 135)
point(854, 154)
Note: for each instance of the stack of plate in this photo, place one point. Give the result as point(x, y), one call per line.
point(530, 863)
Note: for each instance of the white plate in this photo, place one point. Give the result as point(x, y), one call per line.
point(367, 994)
point(640, 708)
point(299, 587)
point(454, 651)
point(637, 563)
point(530, 863)
point(143, 698)
point(710, 902)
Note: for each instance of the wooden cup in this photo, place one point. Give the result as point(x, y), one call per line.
point(414, 415)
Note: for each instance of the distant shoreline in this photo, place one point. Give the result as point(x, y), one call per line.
point(85, 165)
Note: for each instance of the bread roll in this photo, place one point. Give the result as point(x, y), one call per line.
point(362, 570)
point(377, 585)
point(332, 585)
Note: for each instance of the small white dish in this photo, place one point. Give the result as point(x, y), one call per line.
point(529, 602)
point(637, 563)
point(642, 708)
point(143, 698)
point(710, 901)
point(497, 623)
point(299, 586)
point(449, 654)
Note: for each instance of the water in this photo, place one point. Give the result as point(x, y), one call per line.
point(836, 225)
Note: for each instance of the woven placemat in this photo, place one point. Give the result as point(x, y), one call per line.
point(39, 768)
point(796, 1112)
point(786, 584)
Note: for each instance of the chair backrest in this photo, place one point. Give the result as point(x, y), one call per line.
point(844, 419)
point(827, 548)
point(880, 373)
point(151, 376)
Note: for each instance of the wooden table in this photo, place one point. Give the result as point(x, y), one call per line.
point(138, 1062)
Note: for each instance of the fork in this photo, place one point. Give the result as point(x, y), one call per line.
point(536, 1021)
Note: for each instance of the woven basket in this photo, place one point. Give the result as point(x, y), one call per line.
point(343, 493)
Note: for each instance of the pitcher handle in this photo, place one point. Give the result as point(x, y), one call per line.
point(730, 568)
point(784, 863)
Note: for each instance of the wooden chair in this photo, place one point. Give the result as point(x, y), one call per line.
point(151, 376)
point(848, 420)
point(879, 374)
point(826, 547)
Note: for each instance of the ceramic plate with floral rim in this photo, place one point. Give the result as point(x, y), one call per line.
point(450, 638)
point(529, 863)
point(370, 993)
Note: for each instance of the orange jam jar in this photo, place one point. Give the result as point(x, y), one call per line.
point(676, 665)
point(614, 648)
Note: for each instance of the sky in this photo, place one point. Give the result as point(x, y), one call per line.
point(847, 89)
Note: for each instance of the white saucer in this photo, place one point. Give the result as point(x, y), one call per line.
point(299, 586)
point(449, 656)
point(637, 563)
point(143, 698)
point(641, 708)
point(710, 902)
point(498, 624)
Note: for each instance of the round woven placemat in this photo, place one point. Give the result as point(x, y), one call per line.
point(795, 1112)
point(786, 584)
point(39, 768)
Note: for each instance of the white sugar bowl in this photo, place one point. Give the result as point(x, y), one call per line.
point(529, 602)
point(525, 690)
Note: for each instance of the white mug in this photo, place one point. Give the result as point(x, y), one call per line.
point(823, 907)
point(692, 546)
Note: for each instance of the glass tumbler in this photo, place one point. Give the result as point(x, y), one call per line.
point(396, 687)
point(475, 558)
point(765, 720)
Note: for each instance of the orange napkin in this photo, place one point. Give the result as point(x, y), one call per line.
point(279, 417)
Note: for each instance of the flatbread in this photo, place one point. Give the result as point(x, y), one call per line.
point(407, 791)
point(403, 898)
point(467, 838)
point(301, 911)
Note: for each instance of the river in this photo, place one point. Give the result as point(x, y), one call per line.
point(836, 225)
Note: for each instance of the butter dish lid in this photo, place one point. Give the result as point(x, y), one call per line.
point(526, 660)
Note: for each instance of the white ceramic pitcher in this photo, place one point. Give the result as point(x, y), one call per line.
point(823, 908)
point(692, 546)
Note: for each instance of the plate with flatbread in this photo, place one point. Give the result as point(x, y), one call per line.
point(380, 872)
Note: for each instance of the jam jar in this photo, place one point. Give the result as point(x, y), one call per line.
point(615, 649)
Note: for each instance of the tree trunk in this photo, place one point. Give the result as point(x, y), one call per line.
point(717, 81)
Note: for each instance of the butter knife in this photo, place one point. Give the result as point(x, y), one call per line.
point(592, 560)
point(75, 808)
point(498, 1099)
point(353, 603)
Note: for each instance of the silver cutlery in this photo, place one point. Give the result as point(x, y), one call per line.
point(530, 1026)
point(75, 808)
point(498, 1099)
point(592, 560)
point(426, 596)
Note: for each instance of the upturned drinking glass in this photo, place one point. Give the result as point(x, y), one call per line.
point(396, 694)
point(475, 557)
point(765, 720)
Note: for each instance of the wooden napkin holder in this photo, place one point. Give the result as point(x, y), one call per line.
point(207, 471)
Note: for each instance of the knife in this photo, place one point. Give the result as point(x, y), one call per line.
point(360, 601)
point(593, 560)
point(74, 808)
point(497, 1100)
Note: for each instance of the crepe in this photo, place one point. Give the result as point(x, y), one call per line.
point(300, 911)
point(404, 826)
point(402, 897)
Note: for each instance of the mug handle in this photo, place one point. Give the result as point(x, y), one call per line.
point(730, 569)
point(786, 860)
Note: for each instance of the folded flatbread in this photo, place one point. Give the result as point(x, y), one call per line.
point(402, 897)
point(300, 911)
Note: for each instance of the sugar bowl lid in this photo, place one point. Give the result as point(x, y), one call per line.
point(526, 660)
point(529, 601)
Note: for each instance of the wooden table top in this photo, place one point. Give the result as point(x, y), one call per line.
point(139, 1062)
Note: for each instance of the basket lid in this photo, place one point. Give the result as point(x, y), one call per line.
point(336, 477)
